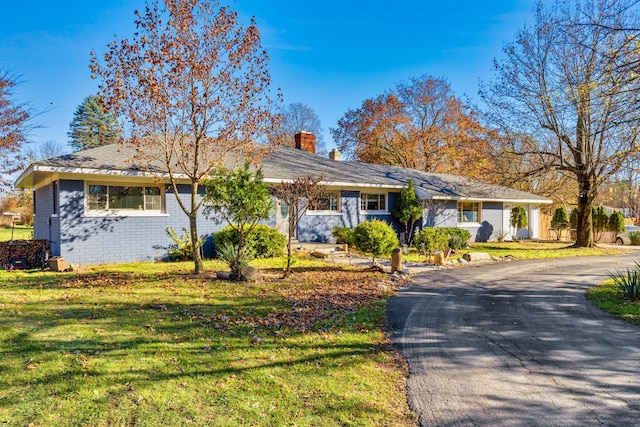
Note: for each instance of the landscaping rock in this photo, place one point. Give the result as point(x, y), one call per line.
point(250, 274)
point(477, 256)
point(223, 275)
point(320, 255)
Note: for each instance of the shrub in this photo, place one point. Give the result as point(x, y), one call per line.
point(573, 218)
point(628, 284)
point(228, 252)
point(458, 237)
point(181, 247)
point(518, 217)
point(343, 235)
point(599, 222)
point(634, 236)
point(431, 239)
point(560, 218)
point(375, 237)
point(616, 222)
point(263, 241)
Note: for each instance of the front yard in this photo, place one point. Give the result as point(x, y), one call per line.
point(149, 344)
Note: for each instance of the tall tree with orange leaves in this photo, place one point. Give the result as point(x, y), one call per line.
point(192, 89)
point(420, 124)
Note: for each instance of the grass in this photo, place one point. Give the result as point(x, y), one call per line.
point(20, 232)
point(151, 344)
point(528, 249)
point(607, 297)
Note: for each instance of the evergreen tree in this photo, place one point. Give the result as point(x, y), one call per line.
point(408, 209)
point(92, 125)
point(560, 221)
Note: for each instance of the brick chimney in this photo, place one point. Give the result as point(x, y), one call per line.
point(305, 141)
point(335, 154)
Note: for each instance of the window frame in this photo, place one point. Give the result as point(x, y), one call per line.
point(364, 202)
point(338, 204)
point(120, 211)
point(477, 211)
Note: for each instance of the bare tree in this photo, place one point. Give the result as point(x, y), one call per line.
point(45, 150)
point(562, 81)
point(299, 195)
point(14, 127)
point(193, 87)
point(297, 118)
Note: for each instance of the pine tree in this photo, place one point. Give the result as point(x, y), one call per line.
point(92, 125)
point(408, 210)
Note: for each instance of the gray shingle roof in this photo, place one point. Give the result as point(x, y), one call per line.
point(288, 163)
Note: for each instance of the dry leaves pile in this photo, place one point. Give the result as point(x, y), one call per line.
point(310, 300)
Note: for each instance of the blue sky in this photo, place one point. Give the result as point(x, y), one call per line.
point(329, 55)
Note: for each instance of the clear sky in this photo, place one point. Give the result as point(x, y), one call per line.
point(329, 55)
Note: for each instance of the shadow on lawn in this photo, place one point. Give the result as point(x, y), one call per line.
point(79, 324)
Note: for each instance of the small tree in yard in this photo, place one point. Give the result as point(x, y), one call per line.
point(573, 218)
point(431, 239)
point(616, 223)
point(560, 220)
point(600, 222)
point(241, 199)
point(299, 195)
point(408, 210)
point(375, 237)
point(518, 219)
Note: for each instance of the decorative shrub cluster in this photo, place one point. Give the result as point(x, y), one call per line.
point(343, 235)
point(263, 241)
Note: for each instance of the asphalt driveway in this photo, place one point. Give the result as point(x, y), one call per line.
point(517, 343)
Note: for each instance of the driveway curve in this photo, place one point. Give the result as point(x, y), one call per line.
point(517, 343)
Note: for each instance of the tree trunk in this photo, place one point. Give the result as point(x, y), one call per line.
point(193, 228)
point(584, 232)
point(197, 259)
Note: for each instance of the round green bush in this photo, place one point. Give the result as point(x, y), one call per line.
point(375, 237)
point(458, 237)
point(343, 235)
point(431, 239)
point(264, 241)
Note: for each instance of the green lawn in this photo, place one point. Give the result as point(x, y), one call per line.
point(607, 297)
point(529, 249)
point(19, 232)
point(150, 344)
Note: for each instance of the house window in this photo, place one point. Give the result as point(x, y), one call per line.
point(373, 202)
point(55, 197)
point(328, 203)
point(468, 212)
point(123, 197)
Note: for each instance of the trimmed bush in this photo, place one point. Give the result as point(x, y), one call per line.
point(264, 241)
point(343, 235)
point(616, 222)
point(560, 218)
point(375, 237)
point(573, 218)
point(431, 239)
point(458, 237)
